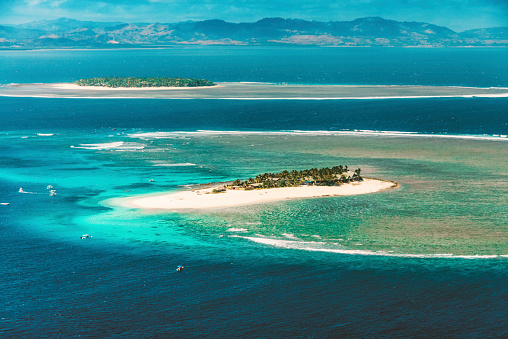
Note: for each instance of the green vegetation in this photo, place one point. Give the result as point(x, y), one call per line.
point(143, 82)
point(334, 176)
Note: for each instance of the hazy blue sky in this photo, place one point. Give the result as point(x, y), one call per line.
point(456, 14)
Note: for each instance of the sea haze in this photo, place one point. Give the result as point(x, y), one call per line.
point(429, 257)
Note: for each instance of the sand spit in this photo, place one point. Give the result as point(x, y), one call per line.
point(204, 199)
point(250, 91)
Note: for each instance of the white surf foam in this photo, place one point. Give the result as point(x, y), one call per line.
point(482, 95)
point(167, 135)
point(155, 135)
point(174, 165)
point(119, 145)
point(234, 229)
point(290, 236)
point(55, 96)
point(318, 247)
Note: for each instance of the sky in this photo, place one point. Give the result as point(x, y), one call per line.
point(458, 15)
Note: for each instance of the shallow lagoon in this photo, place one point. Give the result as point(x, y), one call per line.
point(449, 202)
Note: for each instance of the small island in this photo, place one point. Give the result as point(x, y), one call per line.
point(119, 82)
point(267, 187)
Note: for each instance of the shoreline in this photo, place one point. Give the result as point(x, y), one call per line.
point(251, 91)
point(200, 199)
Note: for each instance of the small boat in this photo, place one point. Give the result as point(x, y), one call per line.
point(84, 236)
point(49, 187)
point(4, 203)
point(179, 268)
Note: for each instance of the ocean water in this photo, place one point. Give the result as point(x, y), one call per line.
point(428, 258)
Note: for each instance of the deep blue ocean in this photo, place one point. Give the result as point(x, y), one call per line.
point(122, 282)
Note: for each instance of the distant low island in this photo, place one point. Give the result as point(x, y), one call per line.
point(180, 88)
point(118, 82)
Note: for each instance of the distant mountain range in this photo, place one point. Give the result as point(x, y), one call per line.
point(372, 31)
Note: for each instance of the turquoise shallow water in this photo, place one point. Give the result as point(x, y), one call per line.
point(122, 281)
point(446, 205)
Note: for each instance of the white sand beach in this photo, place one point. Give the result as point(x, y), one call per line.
point(204, 199)
point(69, 86)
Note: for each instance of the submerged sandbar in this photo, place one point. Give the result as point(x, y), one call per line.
point(205, 199)
point(249, 91)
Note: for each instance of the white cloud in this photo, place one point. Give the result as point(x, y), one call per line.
point(57, 3)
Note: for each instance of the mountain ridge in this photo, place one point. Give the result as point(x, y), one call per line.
point(369, 31)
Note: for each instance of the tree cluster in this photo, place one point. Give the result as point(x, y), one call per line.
point(143, 82)
point(336, 175)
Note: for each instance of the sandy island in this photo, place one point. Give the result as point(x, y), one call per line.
point(74, 87)
point(204, 199)
point(249, 91)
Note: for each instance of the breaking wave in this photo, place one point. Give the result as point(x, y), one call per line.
point(119, 145)
point(316, 246)
point(168, 135)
